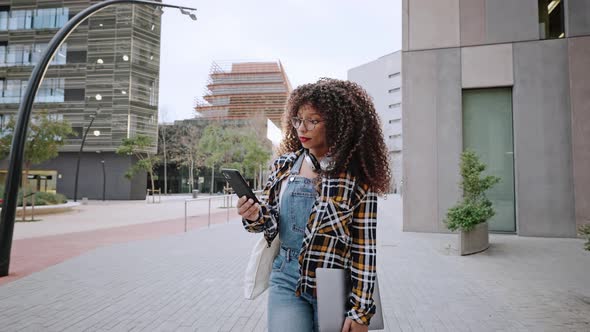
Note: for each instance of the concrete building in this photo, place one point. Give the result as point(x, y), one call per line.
point(508, 79)
point(109, 64)
point(243, 90)
point(382, 80)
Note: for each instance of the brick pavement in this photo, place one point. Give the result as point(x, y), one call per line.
point(193, 282)
point(35, 254)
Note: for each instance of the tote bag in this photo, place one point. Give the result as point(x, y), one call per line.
point(259, 267)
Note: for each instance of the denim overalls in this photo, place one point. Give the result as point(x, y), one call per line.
point(286, 311)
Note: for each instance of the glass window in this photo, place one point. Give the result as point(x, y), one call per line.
point(20, 20)
point(12, 55)
point(60, 56)
point(4, 10)
point(26, 55)
point(551, 19)
point(51, 91)
point(18, 55)
point(44, 92)
point(45, 18)
point(13, 19)
point(38, 52)
point(11, 93)
point(28, 23)
point(2, 55)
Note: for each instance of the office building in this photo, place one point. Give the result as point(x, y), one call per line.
point(382, 80)
point(108, 68)
point(509, 80)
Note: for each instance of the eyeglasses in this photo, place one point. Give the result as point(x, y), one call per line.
point(307, 123)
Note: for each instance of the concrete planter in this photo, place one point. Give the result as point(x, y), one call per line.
point(474, 241)
point(47, 209)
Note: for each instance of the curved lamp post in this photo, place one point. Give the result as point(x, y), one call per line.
point(24, 115)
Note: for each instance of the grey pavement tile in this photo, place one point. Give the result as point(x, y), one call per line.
point(193, 282)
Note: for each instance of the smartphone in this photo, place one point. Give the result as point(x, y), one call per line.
point(237, 182)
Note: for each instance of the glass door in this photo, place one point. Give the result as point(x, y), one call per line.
point(487, 130)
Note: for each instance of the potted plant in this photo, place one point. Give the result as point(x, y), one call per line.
point(584, 231)
point(470, 216)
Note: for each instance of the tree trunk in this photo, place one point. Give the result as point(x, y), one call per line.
point(260, 178)
point(191, 176)
point(255, 179)
point(25, 181)
point(165, 164)
point(212, 177)
point(152, 180)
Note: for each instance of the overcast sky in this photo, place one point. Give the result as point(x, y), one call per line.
point(312, 38)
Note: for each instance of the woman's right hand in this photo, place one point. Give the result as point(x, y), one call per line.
point(248, 209)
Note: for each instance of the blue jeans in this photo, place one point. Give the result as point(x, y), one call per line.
point(286, 311)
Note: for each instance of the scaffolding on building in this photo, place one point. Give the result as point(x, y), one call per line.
point(245, 89)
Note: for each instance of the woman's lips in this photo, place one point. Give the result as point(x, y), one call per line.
point(303, 139)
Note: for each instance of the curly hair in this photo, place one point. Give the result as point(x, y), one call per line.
point(353, 130)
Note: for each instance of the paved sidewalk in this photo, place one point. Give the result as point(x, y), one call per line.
point(35, 254)
point(101, 215)
point(193, 282)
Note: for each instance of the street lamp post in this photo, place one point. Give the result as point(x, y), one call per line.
point(96, 133)
point(24, 115)
point(104, 181)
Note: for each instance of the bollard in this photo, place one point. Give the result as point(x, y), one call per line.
point(185, 217)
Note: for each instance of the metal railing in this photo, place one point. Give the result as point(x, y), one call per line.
point(228, 204)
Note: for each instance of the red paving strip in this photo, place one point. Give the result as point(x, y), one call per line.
point(35, 254)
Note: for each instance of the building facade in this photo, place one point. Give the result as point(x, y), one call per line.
point(509, 80)
point(108, 68)
point(244, 90)
point(382, 80)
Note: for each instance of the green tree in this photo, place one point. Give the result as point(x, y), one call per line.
point(232, 147)
point(256, 155)
point(214, 148)
point(476, 207)
point(45, 135)
point(139, 147)
point(185, 149)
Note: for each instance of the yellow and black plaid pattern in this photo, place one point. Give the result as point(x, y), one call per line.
point(340, 233)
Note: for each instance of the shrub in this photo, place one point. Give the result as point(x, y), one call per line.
point(475, 208)
point(41, 198)
point(584, 230)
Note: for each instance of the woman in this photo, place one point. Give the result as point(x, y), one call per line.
point(322, 202)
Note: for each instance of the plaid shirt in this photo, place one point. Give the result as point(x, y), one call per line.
point(340, 233)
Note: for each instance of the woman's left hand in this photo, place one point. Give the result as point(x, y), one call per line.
point(352, 326)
